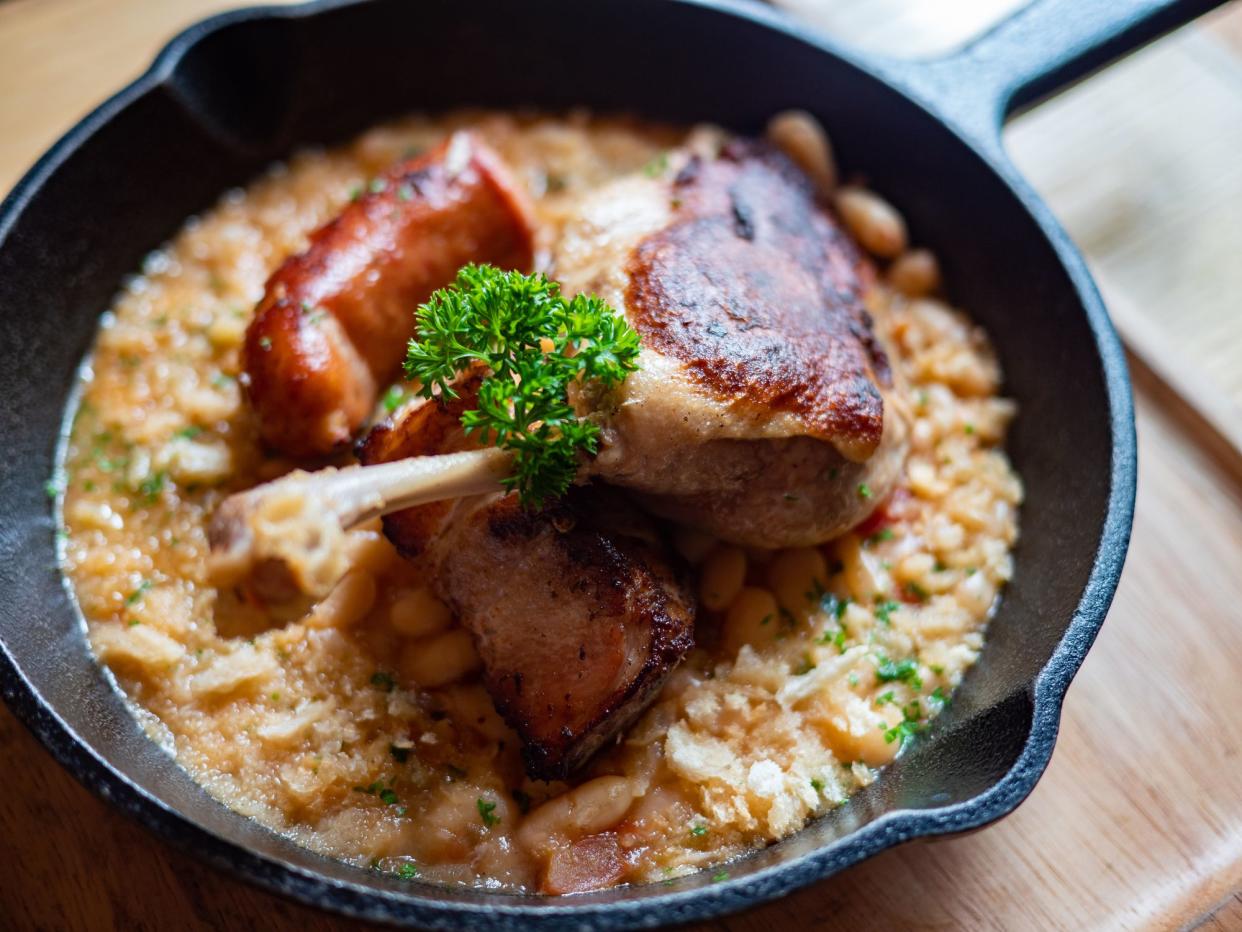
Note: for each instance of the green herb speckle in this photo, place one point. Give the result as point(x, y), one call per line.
point(384, 681)
point(487, 812)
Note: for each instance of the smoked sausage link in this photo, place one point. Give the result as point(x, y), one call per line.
point(332, 327)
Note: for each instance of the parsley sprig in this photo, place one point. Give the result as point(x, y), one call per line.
point(535, 343)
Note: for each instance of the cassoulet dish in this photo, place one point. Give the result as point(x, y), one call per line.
point(540, 503)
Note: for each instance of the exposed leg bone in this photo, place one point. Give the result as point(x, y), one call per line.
point(287, 536)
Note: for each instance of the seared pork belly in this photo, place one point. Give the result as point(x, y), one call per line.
point(578, 610)
point(763, 409)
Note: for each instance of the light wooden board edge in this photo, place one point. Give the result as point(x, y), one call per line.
point(1210, 418)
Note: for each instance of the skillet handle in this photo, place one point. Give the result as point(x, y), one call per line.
point(1043, 48)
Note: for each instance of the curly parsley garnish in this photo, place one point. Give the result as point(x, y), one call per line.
point(535, 343)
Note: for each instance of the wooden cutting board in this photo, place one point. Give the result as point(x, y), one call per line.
point(1138, 821)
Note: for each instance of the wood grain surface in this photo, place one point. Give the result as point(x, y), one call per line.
point(1138, 822)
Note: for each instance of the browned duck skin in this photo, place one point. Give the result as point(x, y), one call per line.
point(763, 409)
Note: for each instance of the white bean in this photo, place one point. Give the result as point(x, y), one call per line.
point(440, 660)
point(593, 807)
point(347, 603)
point(371, 551)
point(418, 613)
point(803, 139)
point(797, 577)
point(915, 273)
point(857, 730)
point(753, 619)
point(873, 221)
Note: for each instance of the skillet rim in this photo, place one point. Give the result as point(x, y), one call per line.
point(1047, 690)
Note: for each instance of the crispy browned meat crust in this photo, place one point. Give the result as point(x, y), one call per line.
point(579, 619)
point(425, 428)
point(332, 327)
point(578, 611)
point(758, 292)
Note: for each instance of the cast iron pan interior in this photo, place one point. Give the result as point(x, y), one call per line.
point(232, 95)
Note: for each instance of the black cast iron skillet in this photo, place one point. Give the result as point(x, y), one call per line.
point(235, 92)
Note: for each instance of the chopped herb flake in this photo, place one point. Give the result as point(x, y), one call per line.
point(487, 812)
point(384, 681)
point(407, 871)
point(385, 793)
point(134, 597)
point(908, 727)
point(902, 731)
point(905, 671)
point(393, 397)
point(835, 637)
point(915, 591)
point(884, 611)
point(864, 490)
point(657, 166)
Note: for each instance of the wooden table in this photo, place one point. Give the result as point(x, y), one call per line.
point(1138, 822)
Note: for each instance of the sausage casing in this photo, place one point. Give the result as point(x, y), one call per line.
point(332, 327)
